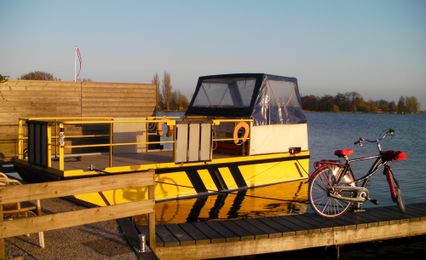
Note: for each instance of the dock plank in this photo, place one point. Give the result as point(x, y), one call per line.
point(315, 221)
point(275, 225)
point(166, 236)
point(239, 231)
point(252, 226)
point(302, 222)
point(209, 232)
point(417, 209)
point(266, 229)
point(349, 219)
point(180, 234)
point(222, 230)
point(287, 226)
point(370, 216)
point(196, 234)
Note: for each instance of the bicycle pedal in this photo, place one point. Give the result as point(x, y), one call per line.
point(374, 201)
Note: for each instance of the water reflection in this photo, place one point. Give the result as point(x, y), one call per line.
point(274, 200)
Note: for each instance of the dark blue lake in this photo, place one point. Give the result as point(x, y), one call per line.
point(331, 131)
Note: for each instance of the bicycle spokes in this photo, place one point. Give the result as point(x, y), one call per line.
point(320, 188)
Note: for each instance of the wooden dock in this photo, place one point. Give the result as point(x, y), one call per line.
point(216, 239)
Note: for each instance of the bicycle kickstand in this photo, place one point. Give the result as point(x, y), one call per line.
point(356, 208)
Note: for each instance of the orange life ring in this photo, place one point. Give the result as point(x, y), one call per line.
point(170, 129)
point(160, 129)
point(245, 135)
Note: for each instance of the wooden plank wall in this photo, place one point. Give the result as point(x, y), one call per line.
point(37, 98)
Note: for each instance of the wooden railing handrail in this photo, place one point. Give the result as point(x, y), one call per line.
point(55, 189)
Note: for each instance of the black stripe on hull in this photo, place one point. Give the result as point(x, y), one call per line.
point(238, 177)
point(218, 179)
point(196, 180)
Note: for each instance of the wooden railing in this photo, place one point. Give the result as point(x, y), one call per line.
point(39, 191)
point(46, 136)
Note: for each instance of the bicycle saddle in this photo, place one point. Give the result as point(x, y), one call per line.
point(343, 153)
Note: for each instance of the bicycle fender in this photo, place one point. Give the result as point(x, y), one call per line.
point(317, 170)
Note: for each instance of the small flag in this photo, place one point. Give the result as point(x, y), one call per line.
point(77, 51)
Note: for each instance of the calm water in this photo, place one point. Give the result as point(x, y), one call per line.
point(331, 131)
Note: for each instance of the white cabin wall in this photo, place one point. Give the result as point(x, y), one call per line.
point(278, 138)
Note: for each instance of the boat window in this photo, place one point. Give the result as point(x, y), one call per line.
point(278, 102)
point(225, 93)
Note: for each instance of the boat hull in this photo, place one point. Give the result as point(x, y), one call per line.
point(211, 178)
point(177, 181)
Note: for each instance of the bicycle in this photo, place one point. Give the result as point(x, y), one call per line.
point(333, 188)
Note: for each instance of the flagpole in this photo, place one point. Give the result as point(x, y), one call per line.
point(75, 64)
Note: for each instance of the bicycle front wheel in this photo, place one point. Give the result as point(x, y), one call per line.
point(319, 190)
point(400, 199)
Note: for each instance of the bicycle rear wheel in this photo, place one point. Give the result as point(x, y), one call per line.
point(319, 190)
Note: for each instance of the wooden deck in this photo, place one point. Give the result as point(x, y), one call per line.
point(101, 160)
point(215, 239)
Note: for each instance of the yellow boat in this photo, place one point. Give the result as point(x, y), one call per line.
point(240, 131)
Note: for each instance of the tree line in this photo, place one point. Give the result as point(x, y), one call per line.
point(354, 102)
point(167, 98)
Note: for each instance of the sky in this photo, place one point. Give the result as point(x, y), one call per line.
point(374, 47)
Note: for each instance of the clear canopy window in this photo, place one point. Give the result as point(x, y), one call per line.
point(268, 99)
point(225, 92)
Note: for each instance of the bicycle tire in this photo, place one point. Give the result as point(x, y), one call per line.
point(400, 199)
point(319, 188)
point(396, 193)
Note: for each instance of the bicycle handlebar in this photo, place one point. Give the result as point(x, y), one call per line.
point(362, 140)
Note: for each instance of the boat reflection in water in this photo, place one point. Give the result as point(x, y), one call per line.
point(273, 200)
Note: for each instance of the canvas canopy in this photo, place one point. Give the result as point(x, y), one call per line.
point(268, 99)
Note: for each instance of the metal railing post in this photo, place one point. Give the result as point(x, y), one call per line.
point(20, 139)
point(49, 146)
point(61, 143)
point(151, 216)
point(111, 141)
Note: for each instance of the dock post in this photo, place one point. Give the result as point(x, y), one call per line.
point(151, 216)
point(2, 240)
